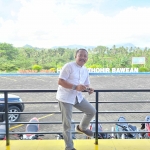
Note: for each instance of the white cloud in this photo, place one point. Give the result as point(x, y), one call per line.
point(13, 13)
point(46, 23)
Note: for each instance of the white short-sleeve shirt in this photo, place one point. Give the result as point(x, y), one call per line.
point(74, 74)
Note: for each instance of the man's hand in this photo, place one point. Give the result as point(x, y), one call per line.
point(80, 87)
point(89, 90)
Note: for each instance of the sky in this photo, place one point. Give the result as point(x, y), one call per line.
point(49, 23)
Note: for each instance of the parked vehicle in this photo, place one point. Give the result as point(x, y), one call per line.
point(146, 127)
point(100, 129)
point(14, 107)
point(2, 129)
point(126, 127)
point(31, 128)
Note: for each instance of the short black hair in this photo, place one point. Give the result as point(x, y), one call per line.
point(81, 50)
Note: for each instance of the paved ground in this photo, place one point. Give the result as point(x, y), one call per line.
point(97, 82)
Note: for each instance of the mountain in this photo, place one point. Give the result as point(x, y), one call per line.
point(27, 46)
point(126, 45)
point(129, 45)
point(67, 46)
point(75, 47)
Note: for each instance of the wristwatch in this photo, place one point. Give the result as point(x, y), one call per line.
point(74, 87)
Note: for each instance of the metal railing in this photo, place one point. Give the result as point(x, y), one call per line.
point(56, 112)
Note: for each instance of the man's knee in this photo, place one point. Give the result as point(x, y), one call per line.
point(93, 112)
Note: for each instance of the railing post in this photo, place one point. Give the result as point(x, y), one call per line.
point(96, 120)
point(6, 119)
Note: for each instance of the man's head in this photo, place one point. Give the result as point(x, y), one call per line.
point(81, 56)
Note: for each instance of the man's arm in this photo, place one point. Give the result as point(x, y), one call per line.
point(68, 85)
point(64, 83)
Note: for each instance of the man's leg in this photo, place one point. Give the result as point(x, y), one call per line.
point(66, 110)
point(89, 112)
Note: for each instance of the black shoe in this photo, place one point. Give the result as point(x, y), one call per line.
point(87, 132)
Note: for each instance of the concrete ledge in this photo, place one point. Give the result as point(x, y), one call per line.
point(105, 144)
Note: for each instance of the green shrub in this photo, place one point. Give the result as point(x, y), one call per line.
point(143, 69)
point(46, 66)
point(52, 70)
point(8, 67)
point(37, 68)
point(94, 66)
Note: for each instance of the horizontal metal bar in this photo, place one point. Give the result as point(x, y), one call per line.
point(29, 91)
point(58, 112)
point(103, 90)
point(60, 132)
point(44, 112)
point(109, 122)
point(124, 112)
point(146, 101)
point(124, 132)
point(55, 102)
point(36, 132)
point(2, 112)
point(123, 90)
point(45, 102)
point(75, 122)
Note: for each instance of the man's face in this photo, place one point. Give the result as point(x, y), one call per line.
point(81, 57)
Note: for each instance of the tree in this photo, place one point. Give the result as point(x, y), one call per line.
point(8, 51)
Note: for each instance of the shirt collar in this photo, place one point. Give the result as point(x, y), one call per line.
point(78, 65)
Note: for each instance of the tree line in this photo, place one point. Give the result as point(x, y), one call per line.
point(13, 58)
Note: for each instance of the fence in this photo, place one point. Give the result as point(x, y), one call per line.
point(97, 102)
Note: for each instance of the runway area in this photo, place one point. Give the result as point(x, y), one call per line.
point(97, 82)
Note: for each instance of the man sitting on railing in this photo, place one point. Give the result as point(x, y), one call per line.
point(73, 79)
